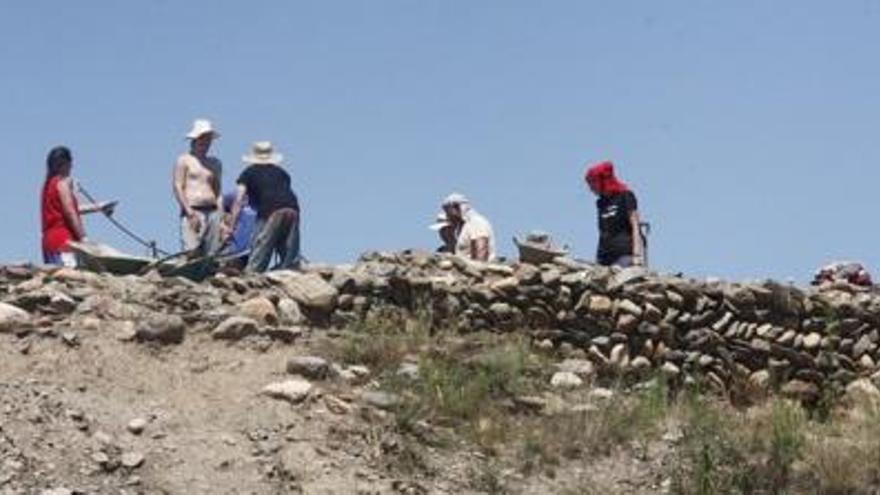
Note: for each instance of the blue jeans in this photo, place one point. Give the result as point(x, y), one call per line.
point(623, 261)
point(59, 258)
point(277, 234)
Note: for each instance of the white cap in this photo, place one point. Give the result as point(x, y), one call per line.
point(201, 127)
point(455, 199)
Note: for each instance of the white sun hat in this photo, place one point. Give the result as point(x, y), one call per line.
point(201, 127)
point(455, 199)
point(262, 153)
point(439, 222)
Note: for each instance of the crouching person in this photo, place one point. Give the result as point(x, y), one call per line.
point(268, 189)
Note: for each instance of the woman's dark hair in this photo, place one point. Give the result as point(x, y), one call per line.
point(58, 157)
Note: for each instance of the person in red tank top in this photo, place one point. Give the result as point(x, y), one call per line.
point(60, 211)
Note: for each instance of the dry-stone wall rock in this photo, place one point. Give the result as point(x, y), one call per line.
point(764, 335)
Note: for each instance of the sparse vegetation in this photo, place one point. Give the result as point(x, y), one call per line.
point(598, 429)
point(466, 387)
point(486, 479)
point(464, 393)
point(381, 342)
point(845, 455)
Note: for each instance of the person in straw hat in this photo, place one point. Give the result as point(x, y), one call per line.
point(197, 178)
point(267, 187)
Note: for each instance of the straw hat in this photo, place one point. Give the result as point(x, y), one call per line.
point(263, 153)
point(201, 127)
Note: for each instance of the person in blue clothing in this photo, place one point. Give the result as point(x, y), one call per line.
point(243, 230)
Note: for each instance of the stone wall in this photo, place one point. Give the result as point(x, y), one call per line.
point(763, 335)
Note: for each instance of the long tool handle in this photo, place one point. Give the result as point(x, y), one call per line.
point(151, 245)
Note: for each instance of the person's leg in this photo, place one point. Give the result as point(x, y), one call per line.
point(60, 258)
point(263, 245)
point(211, 242)
point(623, 261)
point(189, 237)
point(51, 258)
point(68, 260)
point(259, 258)
point(290, 252)
point(281, 237)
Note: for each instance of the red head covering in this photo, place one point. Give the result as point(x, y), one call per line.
point(601, 177)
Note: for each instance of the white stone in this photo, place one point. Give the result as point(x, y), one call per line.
point(599, 304)
point(132, 460)
point(260, 309)
point(760, 379)
point(600, 393)
point(641, 363)
point(409, 371)
point(308, 289)
point(504, 285)
point(629, 307)
point(565, 379)
point(812, 341)
point(289, 312)
point(619, 356)
point(294, 390)
point(137, 426)
point(11, 316)
point(57, 491)
point(670, 369)
point(580, 367)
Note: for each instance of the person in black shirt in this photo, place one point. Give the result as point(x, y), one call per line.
point(620, 239)
point(267, 187)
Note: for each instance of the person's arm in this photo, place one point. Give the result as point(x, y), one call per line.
point(638, 247)
point(89, 208)
point(240, 193)
point(217, 183)
point(106, 208)
point(69, 209)
point(179, 194)
point(480, 248)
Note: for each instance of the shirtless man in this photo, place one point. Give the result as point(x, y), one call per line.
point(197, 179)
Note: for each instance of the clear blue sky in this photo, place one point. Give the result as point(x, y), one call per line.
point(748, 128)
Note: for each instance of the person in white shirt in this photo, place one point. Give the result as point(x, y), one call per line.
point(474, 238)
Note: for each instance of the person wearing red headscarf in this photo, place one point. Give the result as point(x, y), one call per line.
point(620, 239)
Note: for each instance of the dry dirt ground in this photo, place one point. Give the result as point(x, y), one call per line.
point(66, 405)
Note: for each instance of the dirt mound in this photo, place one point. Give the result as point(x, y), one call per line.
point(363, 380)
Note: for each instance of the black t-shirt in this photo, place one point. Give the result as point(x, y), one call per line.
point(615, 230)
point(268, 189)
